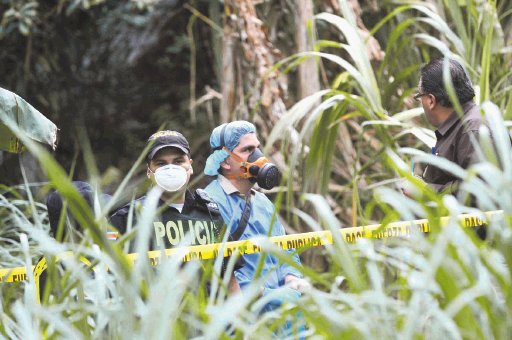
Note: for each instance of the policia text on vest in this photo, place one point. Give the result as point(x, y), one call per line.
point(201, 232)
point(198, 223)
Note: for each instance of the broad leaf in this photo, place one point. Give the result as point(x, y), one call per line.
point(36, 126)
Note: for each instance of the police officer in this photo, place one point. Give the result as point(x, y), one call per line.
point(184, 216)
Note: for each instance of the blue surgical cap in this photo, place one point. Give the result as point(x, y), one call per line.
point(232, 133)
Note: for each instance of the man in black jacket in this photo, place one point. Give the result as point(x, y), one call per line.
point(183, 217)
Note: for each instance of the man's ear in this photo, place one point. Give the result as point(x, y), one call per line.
point(224, 165)
point(432, 101)
point(148, 172)
point(191, 167)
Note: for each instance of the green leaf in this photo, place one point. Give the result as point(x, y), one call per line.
point(36, 126)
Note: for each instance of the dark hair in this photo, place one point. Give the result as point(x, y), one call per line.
point(431, 82)
point(54, 203)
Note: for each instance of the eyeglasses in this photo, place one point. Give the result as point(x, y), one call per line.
point(418, 95)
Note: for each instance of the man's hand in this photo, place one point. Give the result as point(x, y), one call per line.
point(296, 283)
point(233, 286)
point(412, 189)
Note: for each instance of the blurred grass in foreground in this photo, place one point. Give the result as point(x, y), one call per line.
point(448, 284)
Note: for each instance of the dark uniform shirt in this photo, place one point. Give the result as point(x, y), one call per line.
point(199, 222)
point(455, 143)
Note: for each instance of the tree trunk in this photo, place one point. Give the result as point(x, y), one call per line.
point(228, 65)
point(268, 86)
point(309, 82)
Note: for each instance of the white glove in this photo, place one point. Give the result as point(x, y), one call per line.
point(411, 190)
point(296, 283)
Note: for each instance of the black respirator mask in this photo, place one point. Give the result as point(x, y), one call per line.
point(258, 169)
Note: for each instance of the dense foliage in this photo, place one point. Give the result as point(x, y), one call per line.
point(116, 68)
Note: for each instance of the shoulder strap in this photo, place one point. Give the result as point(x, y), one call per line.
point(246, 214)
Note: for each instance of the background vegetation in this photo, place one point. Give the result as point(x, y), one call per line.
point(329, 85)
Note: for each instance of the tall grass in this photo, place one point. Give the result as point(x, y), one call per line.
point(447, 284)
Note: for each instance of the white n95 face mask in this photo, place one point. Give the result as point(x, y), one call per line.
point(171, 177)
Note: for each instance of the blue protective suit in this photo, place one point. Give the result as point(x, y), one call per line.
point(261, 223)
point(231, 205)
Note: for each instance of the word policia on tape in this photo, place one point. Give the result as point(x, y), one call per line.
point(296, 241)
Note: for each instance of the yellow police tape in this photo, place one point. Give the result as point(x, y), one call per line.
point(13, 274)
point(295, 241)
point(312, 239)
